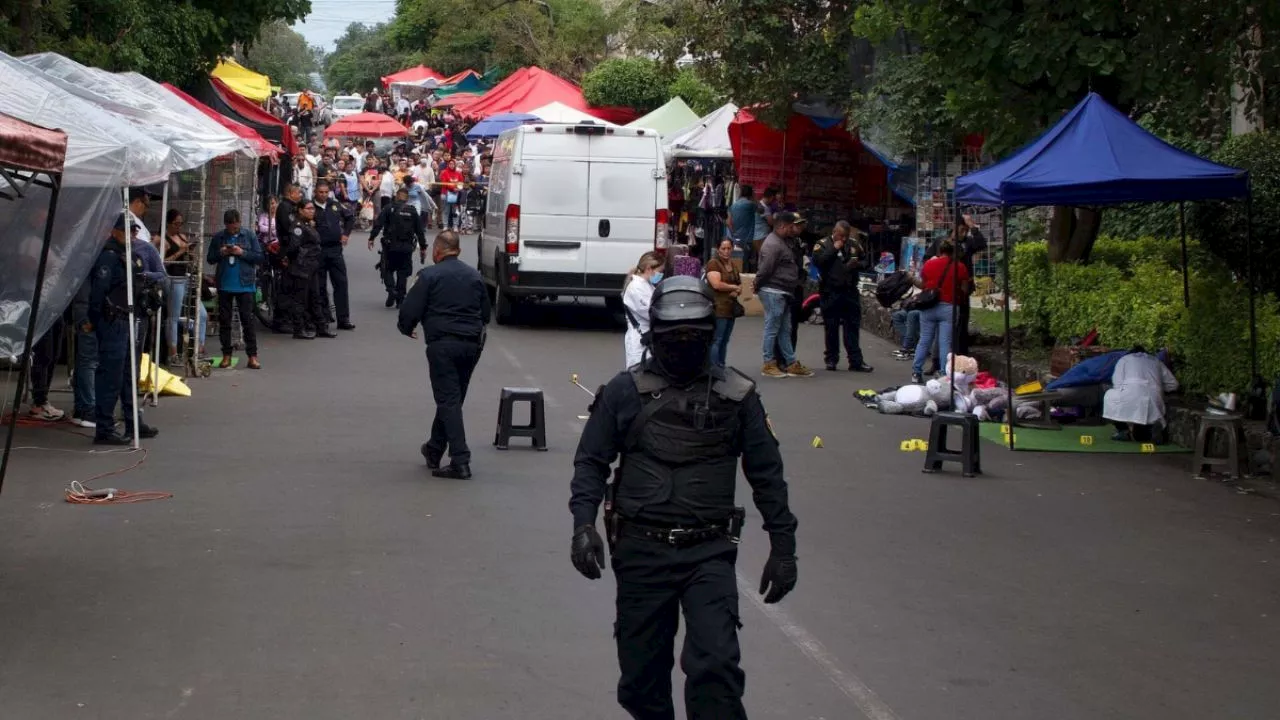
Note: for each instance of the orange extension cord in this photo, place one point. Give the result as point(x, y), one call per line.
point(80, 493)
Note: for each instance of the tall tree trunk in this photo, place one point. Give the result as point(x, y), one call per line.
point(27, 24)
point(1072, 232)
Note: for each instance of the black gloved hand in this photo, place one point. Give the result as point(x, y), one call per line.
point(779, 577)
point(587, 551)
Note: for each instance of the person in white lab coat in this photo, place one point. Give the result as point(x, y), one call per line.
point(1135, 403)
point(635, 302)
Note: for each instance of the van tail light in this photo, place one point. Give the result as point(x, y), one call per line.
point(513, 229)
point(661, 230)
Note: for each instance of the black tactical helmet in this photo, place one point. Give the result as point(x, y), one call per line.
point(682, 301)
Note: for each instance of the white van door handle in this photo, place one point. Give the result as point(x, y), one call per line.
point(565, 244)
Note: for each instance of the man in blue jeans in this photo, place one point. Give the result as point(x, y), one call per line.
point(775, 283)
point(907, 324)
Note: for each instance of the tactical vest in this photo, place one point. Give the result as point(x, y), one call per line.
point(681, 451)
point(402, 230)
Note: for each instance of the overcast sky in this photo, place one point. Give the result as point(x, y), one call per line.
point(329, 18)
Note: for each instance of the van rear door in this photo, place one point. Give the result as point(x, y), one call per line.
point(554, 178)
point(625, 178)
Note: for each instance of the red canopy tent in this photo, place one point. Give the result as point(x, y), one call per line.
point(530, 88)
point(366, 125)
point(455, 79)
point(457, 99)
point(227, 102)
point(260, 144)
point(765, 156)
point(24, 146)
point(413, 74)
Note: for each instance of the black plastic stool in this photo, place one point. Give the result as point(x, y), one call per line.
point(537, 427)
point(969, 455)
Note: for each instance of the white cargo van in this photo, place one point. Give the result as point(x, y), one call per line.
point(571, 208)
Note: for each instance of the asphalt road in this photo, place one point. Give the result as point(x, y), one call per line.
point(308, 566)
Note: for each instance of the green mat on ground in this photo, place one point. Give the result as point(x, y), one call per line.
point(235, 362)
point(1079, 439)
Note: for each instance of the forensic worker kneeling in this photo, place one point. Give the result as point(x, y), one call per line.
point(680, 424)
point(450, 302)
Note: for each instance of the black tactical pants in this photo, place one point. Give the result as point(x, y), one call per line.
point(655, 582)
point(305, 305)
point(451, 362)
point(396, 269)
point(333, 269)
point(842, 312)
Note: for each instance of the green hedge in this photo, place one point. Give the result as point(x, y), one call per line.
point(1131, 292)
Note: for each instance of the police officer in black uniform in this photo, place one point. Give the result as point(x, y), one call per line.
point(334, 221)
point(108, 315)
point(680, 425)
point(449, 299)
point(403, 225)
point(301, 252)
point(286, 220)
point(839, 260)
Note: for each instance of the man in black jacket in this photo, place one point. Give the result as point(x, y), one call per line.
point(451, 303)
point(403, 226)
point(838, 262)
point(334, 221)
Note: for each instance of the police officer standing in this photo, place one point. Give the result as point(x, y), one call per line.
point(301, 252)
point(449, 299)
point(334, 221)
point(680, 425)
point(838, 261)
point(108, 315)
point(286, 220)
point(403, 225)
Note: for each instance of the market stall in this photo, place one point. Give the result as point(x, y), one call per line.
point(671, 117)
point(817, 166)
point(31, 165)
point(1096, 156)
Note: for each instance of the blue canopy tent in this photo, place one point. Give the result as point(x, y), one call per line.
point(495, 125)
point(1096, 156)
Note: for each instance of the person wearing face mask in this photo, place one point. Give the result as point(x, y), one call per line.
point(680, 425)
point(451, 303)
point(635, 303)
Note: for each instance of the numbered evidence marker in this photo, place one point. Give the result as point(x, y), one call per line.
point(1148, 447)
point(817, 442)
point(1086, 439)
point(914, 445)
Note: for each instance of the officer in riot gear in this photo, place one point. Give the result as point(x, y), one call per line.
point(108, 319)
point(680, 425)
point(403, 226)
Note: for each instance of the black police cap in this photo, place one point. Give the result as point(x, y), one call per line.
point(682, 300)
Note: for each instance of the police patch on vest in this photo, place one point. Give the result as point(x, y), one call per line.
point(297, 232)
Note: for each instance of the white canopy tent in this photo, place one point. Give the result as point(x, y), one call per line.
point(414, 89)
point(707, 138)
point(192, 144)
point(558, 112)
point(105, 153)
point(205, 124)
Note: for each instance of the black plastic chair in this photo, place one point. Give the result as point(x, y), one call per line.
point(537, 427)
point(969, 455)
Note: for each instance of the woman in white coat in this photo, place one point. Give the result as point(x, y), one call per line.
point(636, 295)
point(1135, 402)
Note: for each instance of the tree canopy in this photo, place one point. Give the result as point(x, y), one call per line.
point(362, 56)
point(166, 41)
point(281, 53)
point(631, 82)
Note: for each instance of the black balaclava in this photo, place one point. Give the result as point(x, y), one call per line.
point(681, 353)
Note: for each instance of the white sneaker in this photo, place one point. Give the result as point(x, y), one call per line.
point(46, 412)
point(83, 422)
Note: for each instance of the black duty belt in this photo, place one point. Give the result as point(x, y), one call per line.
point(678, 537)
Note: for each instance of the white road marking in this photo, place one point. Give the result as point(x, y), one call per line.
point(872, 707)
